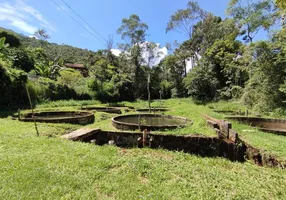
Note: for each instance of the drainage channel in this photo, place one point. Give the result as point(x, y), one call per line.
point(227, 144)
point(193, 144)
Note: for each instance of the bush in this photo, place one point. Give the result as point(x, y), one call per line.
point(21, 59)
point(231, 92)
point(201, 83)
point(119, 88)
point(12, 87)
point(69, 77)
point(266, 74)
point(11, 39)
point(45, 89)
point(166, 89)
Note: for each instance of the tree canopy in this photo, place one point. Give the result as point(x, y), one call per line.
point(184, 19)
point(219, 60)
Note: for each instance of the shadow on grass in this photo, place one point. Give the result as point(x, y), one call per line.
point(7, 113)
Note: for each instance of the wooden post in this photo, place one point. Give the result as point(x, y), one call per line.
point(139, 142)
point(160, 92)
point(149, 94)
point(145, 137)
point(32, 110)
point(139, 121)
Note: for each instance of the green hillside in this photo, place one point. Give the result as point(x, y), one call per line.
point(53, 50)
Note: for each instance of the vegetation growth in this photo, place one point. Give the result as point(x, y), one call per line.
point(49, 167)
point(226, 62)
point(230, 70)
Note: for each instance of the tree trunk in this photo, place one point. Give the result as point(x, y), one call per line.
point(149, 95)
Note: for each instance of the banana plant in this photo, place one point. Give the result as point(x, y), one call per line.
point(3, 47)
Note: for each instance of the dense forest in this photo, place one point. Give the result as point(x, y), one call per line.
point(228, 63)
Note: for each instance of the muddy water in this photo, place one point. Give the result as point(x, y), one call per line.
point(152, 121)
point(55, 116)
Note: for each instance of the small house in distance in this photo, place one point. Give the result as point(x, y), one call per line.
point(80, 67)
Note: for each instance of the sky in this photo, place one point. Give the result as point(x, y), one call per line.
point(104, 17)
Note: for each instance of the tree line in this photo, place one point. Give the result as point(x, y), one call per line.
point(226, 62)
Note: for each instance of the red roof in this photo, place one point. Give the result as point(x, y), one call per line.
point(75, 65)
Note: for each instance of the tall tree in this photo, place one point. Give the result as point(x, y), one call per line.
point(207, 31)
point(175, 67)
point(151, 56)
point(42, 35)
point(281, 4)
point(184, 19)
point(109, 45)
point(266, 74)
point(133, 31)
point(251, 16)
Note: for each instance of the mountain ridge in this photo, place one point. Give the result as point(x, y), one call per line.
point(53, 50)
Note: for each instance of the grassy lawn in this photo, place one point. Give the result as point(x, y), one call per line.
point(47, 167)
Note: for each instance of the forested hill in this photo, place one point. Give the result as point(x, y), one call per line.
point(53, 50)
point(232, 65)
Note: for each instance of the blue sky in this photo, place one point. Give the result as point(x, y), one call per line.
point(25, 16)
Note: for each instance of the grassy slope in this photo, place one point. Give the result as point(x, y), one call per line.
point(271, 143)
point(47, 167)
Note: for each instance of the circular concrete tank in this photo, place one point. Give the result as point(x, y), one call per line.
point(265, 124)
point(103, 109)
point(153, 110)
point(72, 117)
point(149, 122)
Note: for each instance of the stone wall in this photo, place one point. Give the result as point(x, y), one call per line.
point(193, 144)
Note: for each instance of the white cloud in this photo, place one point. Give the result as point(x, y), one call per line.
point(24, 26)
point(115, 52)
point(192, 62)
point(160, 53)
point(36, 14)
point(23, 17)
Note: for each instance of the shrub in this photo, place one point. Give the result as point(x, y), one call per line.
point(45, 89)
point(12, 87)
point(201, 83)
point(20, 59)
point(11, 39)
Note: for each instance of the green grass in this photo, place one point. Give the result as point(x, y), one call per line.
point(48, 167)
point(65, 103)
point(271, 143)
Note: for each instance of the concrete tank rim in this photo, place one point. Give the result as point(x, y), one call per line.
point(273, 125)
point(99, 107)
point(263, 118)
point(85, 114)
point(150, 126)
point(152, 109)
